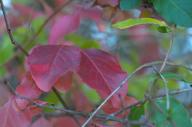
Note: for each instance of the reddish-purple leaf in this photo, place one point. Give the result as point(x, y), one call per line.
point(42, 122)
point(27, 89)
point(11, 116)
point(48, 63)
point(62, 26)
point(64, 83)
point(102, 72)
point(65, 121)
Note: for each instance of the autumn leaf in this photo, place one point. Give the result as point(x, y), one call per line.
point(102, 72)
point(62, 26)
point(27, 89)
point(11, 116)
point(48, 63)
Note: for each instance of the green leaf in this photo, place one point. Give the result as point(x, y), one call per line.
point(163, 29)
point(2, 72)
point(138, 85)
point(6, 50)
point(126, 5)
point(136, 112)
point(176, 116)
point(81, 41)
point(175, 11)
point(138, 21)
point(91, 94)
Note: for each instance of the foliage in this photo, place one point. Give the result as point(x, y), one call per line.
point(60, 59)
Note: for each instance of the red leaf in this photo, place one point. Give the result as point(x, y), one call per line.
point(42, 122)
point(102, 72)
point(62, 26)
point(27, 89)
point(81, 102)
point(64, 83)
point(10, 116)
point(64, 121)
point(48, 63)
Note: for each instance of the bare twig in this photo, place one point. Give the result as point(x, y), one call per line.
point(64, 104)
point(59, 97)
point(125, 80)
point(168, 53)
point(146, 99)
point(10, 32)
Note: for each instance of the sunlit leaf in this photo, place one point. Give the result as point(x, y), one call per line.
point(137, 21)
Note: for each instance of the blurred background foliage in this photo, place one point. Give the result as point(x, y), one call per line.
point(133, 47)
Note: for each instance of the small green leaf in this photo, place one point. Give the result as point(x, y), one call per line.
point(175, 11)
point(176, 116)
point(91, 94)
point(136, 112)
point(163, 29)
point(2, 72)
point(138, 21)
point(126, 5)
point(6, 50)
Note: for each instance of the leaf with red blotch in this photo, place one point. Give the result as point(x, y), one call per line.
point(42, 122)
point(112, 3)
point(27, 89)
point(62, 26)
point(48, 63)
point(11, 116)
point(64, 83)
point(64, 121)
point(80, 101)
point(102, 72)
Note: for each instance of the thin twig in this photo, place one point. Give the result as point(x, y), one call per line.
point(60, 98)
point(125, 80)
point(166, 88)
point(64, 104)
point(168, 53)
point(146, 99)
point(10, 32)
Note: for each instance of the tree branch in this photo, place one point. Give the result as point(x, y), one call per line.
point(124, 81)
point(10, 32)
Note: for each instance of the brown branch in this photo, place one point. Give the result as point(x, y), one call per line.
point(59, 97)
point(10, 32)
